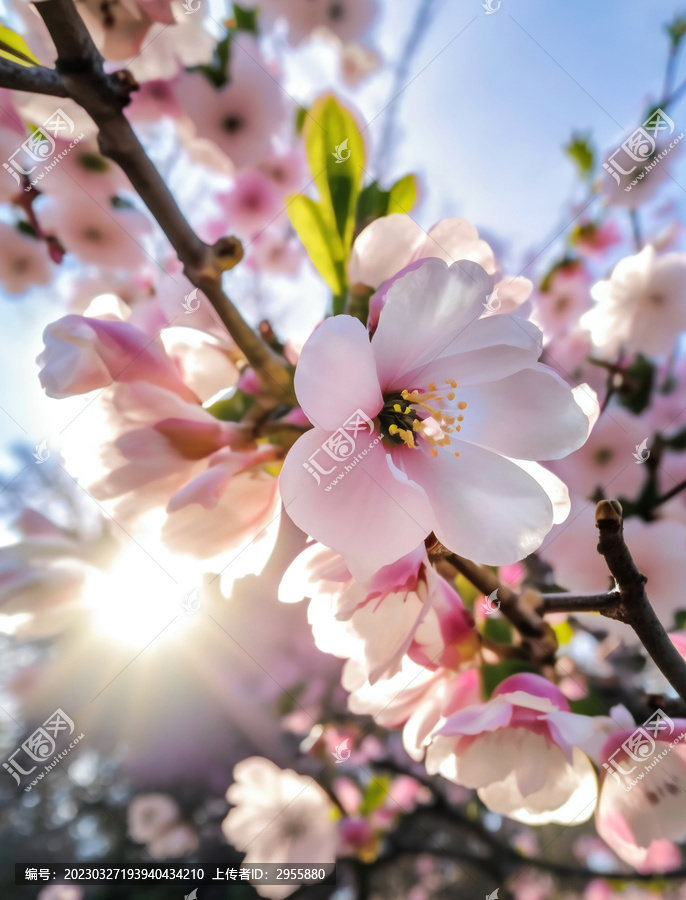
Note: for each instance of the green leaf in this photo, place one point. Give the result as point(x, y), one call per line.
point(335, 155)
point(676, 31)
point(638, 384)
point(580, 150)
point(491, 676)
point(373, 202)
point(233, 407)
point(589, 706)
point(217, 71)
point(246, 19)
point(300, 119)
point(14, 47)
point(402, 195)
point(320, 237)
point(498, 630)
point(375, 794)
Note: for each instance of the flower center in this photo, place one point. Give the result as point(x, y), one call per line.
point(432, 415)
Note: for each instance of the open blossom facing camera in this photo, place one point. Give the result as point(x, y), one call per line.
point(642, 307)
point(518, 750)
point(445, 401)
point(279, 817)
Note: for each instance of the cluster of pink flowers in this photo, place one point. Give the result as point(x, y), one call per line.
point(447, 413)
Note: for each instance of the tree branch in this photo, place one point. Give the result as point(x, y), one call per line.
point(632, 605)
point(80, 69)
point(671, 493)
point(538, 636)
point(35, 79)
point(577, 603)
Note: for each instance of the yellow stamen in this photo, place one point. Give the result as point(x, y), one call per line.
point(434, 452)
point(393, 429)
point(397, 407)
point(451, 395)
point(457, 453)
point(462, 405)
point(432, 385)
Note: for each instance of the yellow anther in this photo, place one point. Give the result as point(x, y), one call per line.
point(432, 385)
point(407, 436)
point(448, 419)
point(458, 428)
point(462, 405)
point(397, 407)
point(417, 425)
point(393, 429)
point(408, 410)
point(451, 395)
point(460, 418)
point(433, 451)
point(457, 453)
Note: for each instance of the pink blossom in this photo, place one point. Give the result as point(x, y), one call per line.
point(640, 810)
point(518, 750)
point(607, 459)
point(593, 239)
point(111, 237)
point(275, 253)
point(406, 608)
point(434, 378)
point(241, 117)
point(83, 354)
point(392, 242)
point(642, 307)
point(566, 297)
point(346, 19)
point(252, 203)
point(151, 815)
point(61, 892)
point(24, 261)
point(280, 817)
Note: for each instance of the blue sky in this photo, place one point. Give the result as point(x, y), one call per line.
point(491, 101)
